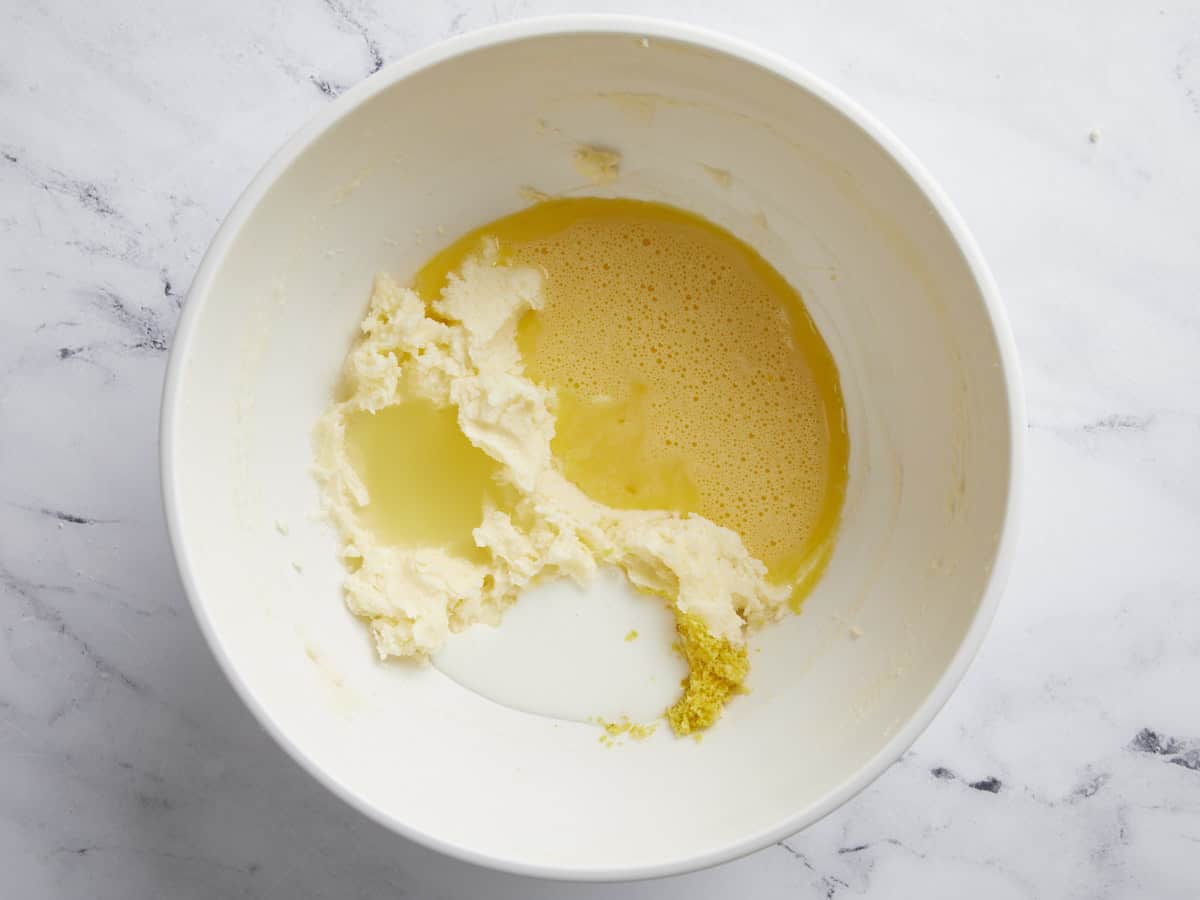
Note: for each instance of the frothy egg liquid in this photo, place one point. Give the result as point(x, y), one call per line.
point(689, 375)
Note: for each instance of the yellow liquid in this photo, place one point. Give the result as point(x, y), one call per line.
point(427, 483)
point(690, 376)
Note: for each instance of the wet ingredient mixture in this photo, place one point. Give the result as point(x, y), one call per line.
point(588, 382)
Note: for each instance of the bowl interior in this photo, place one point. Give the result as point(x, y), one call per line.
point(417, 160)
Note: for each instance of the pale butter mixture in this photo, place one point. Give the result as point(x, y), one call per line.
point(463, 353)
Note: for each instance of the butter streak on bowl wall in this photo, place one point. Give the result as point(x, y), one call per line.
point(446, 140)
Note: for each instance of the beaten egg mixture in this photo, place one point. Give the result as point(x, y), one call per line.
point(588, 382)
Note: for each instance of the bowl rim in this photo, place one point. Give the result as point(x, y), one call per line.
point(636, 27)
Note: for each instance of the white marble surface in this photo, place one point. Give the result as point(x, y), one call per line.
point(1067, 765)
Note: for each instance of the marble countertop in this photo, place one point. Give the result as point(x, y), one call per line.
point(1067, 764)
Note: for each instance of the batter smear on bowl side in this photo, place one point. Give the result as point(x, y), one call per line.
point(586, 383)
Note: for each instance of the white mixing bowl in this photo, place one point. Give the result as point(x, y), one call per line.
point(444, 141)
